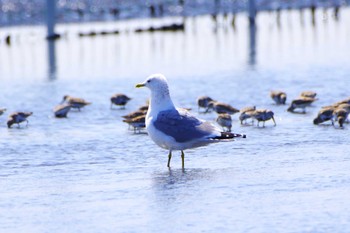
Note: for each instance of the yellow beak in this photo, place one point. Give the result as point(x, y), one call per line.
point(139, 85)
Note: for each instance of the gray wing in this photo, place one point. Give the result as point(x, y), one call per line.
point(184, 127)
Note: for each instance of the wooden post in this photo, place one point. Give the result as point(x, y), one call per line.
point(252, 44)
point(50, 19)
point(252, 32)
point(251, 12)
point(51, 55)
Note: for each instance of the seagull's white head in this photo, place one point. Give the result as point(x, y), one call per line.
point(155, 82)
point(160, 97)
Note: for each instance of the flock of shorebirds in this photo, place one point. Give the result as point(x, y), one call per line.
point(335, 113)
point(62, 110)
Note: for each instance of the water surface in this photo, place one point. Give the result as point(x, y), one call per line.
point(89, 173)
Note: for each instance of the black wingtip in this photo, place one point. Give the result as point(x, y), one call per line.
point(228, 135)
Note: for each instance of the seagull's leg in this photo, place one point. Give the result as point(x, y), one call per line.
point(169, 158)
point(27, 123)
point(183, 159)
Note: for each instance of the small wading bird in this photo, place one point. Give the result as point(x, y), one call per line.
point(263, 115)
point(17, 118)
point(220, 107)
point(308, 94)
point(174, 128)
point(279, 97)
point(325, 114)
point(203, 102)
point(119, 100)
point(225, 121)
point(74, 102)
point(2, 110)
point(138, 122)
point(135, 114)
point(301, 102)
point(246, 113)
point(340, 115)
point(61, 110)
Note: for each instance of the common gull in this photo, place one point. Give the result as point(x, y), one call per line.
point(174, 128)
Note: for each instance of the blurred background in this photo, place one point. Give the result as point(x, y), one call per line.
point(108, 38)
point(90, 173)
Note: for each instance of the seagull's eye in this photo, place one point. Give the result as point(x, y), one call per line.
point(148, 81)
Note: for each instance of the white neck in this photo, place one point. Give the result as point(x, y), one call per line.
point(160, 101)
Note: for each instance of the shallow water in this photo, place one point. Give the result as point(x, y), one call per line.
point(89, 173)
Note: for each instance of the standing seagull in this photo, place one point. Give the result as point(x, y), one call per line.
point(176, 129)
point(18, 117)
point(120, 100)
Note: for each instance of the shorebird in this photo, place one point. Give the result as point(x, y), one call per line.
point(144, 107)
point(173, 128)
point(279, 97)
point(301, 102)
point(325, 114)
point(75, 102)
point(246, 113)
point(17, 118)
point(340, 115)
point(119, 100)
point(203, 102)
point(61, 110)
point(308, 94)
point(263, 115)
point(138, 122)
point(135, 114)
point(345, 101)
point(225, 121)
point(220, 107)
point(2, 110)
